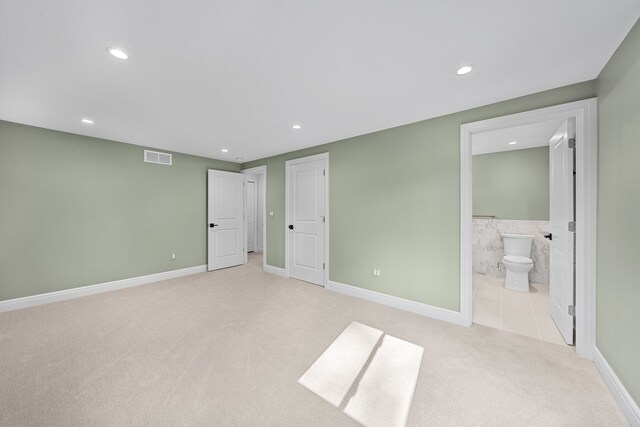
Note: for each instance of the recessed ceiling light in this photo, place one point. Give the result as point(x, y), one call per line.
point(239, 159)
point(86, 121)
point(513, 142)
point(296, 127)
point(225, 150)
point(465, 69)
point(118, 53)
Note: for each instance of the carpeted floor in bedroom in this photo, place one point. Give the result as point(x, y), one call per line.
point(228, 348)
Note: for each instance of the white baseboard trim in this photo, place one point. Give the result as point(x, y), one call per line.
point(275, 270)
point(627, 404)
point(33, 300)
point(396, 302)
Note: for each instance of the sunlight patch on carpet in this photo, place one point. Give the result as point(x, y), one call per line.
point(374, 374)
point(332, 375)
point(385, 391)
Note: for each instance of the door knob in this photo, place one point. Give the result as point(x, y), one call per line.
point(548, 236)
point(290, 227)
point(211, 225)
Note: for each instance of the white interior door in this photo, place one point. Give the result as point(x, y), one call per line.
point(306, 219)
point(252, 197)
point(225, 219)
point(561, 262)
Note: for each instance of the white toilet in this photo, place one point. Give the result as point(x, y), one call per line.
point(517, 261)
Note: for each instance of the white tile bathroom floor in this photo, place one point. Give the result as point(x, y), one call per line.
point(517, 312)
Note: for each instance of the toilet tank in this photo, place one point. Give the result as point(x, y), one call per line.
point(517, 244)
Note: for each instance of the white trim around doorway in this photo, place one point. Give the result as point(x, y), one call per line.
point(262, 172)
point(585, 113)
point(288, 163)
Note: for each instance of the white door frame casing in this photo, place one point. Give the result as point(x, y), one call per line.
point(262, 171)
point(585, 114)
point(288, 163)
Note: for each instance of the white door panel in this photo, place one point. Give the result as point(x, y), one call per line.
point(225, 205)
point(307, 258)
point(225, 189)
point(306, 213)
point(226, 242)
point(561, 258)
point(306, 194)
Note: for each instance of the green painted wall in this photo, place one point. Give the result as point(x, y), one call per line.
point(618, 281)
point(78, 211)
point(394, 202)
point(512, 184)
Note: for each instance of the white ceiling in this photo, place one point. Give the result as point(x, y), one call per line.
point(526, 136)
point(206, 74)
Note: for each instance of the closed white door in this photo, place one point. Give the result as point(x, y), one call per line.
point(306, 215)
point(561, 262)
point(252, 197)
point(225, 219)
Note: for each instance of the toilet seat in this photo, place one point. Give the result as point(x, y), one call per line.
point(517, 259)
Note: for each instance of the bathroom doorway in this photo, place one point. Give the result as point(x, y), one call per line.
point(512, 189)
point(519, 191)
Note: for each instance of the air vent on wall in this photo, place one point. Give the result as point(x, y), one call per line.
point(157, 157)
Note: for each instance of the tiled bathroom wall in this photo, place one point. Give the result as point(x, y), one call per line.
point(488, 248)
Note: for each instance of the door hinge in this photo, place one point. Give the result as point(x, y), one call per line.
point(572, 226)
point(323, 219)
point(323, 265)
point(324, 172)
point(572, 143)
point(572, 310)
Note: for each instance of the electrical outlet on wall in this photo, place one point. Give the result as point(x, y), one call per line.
point(173, 256)
point(376, 272)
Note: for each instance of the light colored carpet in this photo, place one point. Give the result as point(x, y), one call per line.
point(227, 348)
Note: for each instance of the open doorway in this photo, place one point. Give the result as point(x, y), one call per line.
point(255, 215)
point(253, 244)
point(512, 228)
point(516, 170)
